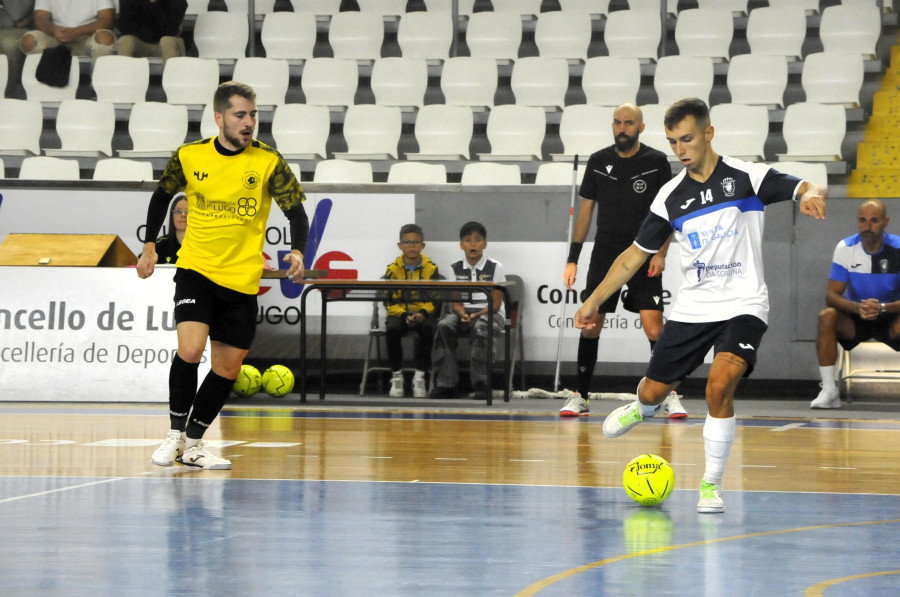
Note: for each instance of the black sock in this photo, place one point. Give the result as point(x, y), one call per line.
point(587, 359)
point(182, 389)
point(210, 399)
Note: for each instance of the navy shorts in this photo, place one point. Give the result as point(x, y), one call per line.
point(682, 346)
point(642, 293)
point(230, 315)
point(879, 329)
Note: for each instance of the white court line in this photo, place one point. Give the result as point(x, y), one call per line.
point(758, 465)
point(837, 468)
point(379, 457)
point(51, 491)
point(453, 459)
point(523, 460)
point(788, 427)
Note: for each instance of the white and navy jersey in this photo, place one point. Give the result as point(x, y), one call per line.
point(486, 270)
point(719, 226)
point(623, 189)
point(868, 276)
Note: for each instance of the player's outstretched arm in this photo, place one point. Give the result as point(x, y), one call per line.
point(812, 199)
point(622, 269)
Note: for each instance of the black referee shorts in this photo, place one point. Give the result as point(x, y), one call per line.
point(642, 293)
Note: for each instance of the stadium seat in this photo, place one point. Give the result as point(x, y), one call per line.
point(357, 36)
point(330, 82)
point(851, 29)
point(487, 173)
point(740, 130)
point(680, 76)
point(121, 79)
point(40, 92)
point(443, 132)
point(540, 81)
point(813, 132)
point(261, 7)
point(758, 79)
point(426, 35)
point(812, 171)
point(634, 34)
point(833, 78)
point(372, 132)
point(594, 8)
point(289, 36)
point(400, 81)
point(156, 129)
point(808, 6)
point(41, 167)
point(417, 173)
point(383, 7)
point(611, 81)
point(704, 32)
point(467, 81)
point(190, 80)
point(122, 169)
point(528, 9)
point(343, 171)
point(21, 123)
point(779, 31)
point(515, 133)
point(269, 77)
point(654, 133)
point(301, 131)
point(2, 169)
point(736, 7)
point(465, 7)
point(584, 129)
point(560, 173)
point(318, 7)
point(563, 34)
point(222, 36)
point(4, 74)
point(494, 35)
point(85, 128)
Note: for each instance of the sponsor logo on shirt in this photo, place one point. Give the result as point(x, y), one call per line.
point(716, 233)
point(725, 270)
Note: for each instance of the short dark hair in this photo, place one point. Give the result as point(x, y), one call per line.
point(224, 92)
point(411, 229)
point(690, 106)
point(472, 228)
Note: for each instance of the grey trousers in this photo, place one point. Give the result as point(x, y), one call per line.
point(446, 339)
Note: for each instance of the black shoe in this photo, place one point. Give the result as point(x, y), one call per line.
point(441, 393)
point(479, 391)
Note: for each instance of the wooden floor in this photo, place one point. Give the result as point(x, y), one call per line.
point(326, 499)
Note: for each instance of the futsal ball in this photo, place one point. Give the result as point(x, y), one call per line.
point(277, 380)
point(648, 479)
point(248, 381)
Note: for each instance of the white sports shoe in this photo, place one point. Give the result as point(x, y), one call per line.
point(171, 448)
point(711, 500)
point(673, 408)
point(827, 398)
point(419, 390)
point(396, 386)
point(575, 406)
point(622, 419)
point(200, 457)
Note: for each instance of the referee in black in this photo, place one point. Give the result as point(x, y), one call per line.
point(620, 182)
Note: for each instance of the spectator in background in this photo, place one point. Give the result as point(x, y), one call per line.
point(167, 246)
point(151, 28)
point(84, 26)
point(15, 17)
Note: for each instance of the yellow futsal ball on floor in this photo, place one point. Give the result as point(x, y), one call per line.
point(648, 479)
point(248, 381)
point(278, 380)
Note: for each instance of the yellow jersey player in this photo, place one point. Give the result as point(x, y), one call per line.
point(230, 181)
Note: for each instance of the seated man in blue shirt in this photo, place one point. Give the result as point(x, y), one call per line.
point(863, 295)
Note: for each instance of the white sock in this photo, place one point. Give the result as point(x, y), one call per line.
point(648, 410)
point(190, 443)
point(419, 374)
point(396, 373)
point(828, 378)
point(718, 435)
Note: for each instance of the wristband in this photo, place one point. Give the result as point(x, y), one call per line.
point(883, 308)
point(574, 252)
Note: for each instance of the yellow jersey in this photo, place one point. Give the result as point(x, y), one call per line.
point(229, 199)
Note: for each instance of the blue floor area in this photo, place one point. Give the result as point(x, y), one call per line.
point(189, 534)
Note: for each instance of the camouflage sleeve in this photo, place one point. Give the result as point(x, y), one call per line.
point(284, 186)
point(172, 179)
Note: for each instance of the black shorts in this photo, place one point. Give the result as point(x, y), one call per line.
point(879, 329)
point(230, 315)
point(682, 346)
point(642, 293)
